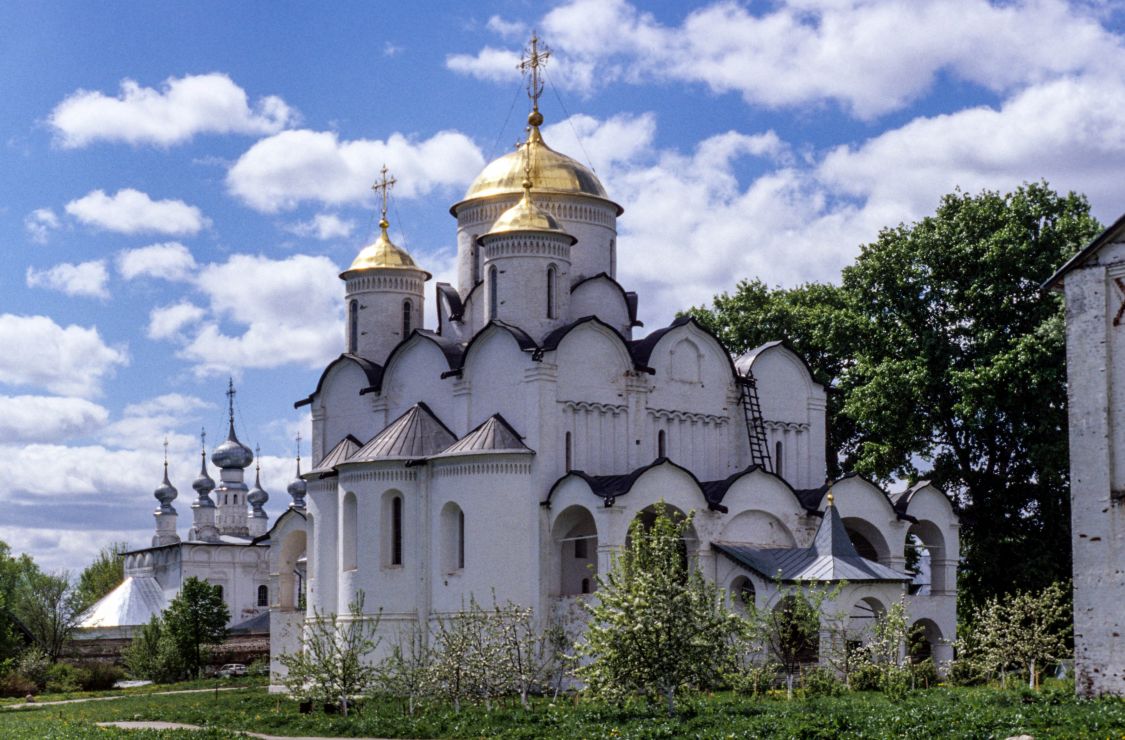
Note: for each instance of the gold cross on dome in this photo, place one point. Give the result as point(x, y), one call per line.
point(383, 187)
point(533, 58)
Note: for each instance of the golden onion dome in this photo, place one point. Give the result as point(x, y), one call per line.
point(383, 254)
point(526, 216)
point(552, 173)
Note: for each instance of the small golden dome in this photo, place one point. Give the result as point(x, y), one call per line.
point(552, 173)
point(383, 254)
point(526, 216)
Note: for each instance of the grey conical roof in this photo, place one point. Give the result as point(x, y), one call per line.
point(258, 496)
point(494, 435)
point(344, 449)
point(204, 484)
point(417, 433)
point(298, 488)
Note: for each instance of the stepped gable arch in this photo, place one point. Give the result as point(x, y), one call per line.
point(420, 344)
point(593, 361)
point(742, 490)
point(610, 488)
point(645, 349)
point(522, 339)
point(777, 366)
point(600, 295)
point(372, 372)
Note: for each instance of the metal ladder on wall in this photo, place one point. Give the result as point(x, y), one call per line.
point(755, 426)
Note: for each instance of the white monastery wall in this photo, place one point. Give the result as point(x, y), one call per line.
point(1097, 468)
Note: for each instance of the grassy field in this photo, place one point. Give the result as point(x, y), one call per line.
point(934, 713)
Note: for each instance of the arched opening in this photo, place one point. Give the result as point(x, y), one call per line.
point(922, 640)
point(453, 538)
point(290, 570)
point(867, 539)
point(349, 547)
point(661, 444)
point(407, 317)
point(689, 543)
point(353, 326)
point(569, 453)
point(925, 558)
point(551, 274)
point(219, 590)
point(792, 631)
point(263, 595)
point(862, 617)
point(493, 293)
point(576, 541)
point(742, 594)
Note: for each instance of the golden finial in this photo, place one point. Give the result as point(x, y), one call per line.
point(533, 58)
point(383, 187)
point(527, 164)
point(831, 498)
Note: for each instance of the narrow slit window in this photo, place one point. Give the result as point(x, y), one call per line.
point(661, 444)
point(493, 298)
point(460, 539)
point(551, 273)
point(777, 450)
point(569, 453)
point(396, 530)
point(353, 326)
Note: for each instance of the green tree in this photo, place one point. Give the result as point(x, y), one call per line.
point(790, 626)
point(48, 607)
point(944, 361)
point(657, 625)
point(152, 655)
point(12, 633)
point(103, 575)
point(331, 665)
point(196, 619)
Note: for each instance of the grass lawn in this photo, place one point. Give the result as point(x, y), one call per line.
point(934, 713)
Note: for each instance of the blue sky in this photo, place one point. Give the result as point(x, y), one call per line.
point(181, 183)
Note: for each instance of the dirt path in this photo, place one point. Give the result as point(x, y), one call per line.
point(179, 726)
point(26, 704)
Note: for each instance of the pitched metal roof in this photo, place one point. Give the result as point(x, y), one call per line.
point(417, 433)
point(1106, 237)
point(344, 449)
point(494, 435)
point(135, 601)
point(831, 558)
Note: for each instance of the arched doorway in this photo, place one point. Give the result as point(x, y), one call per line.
point(575, 536)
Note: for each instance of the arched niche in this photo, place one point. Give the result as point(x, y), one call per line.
point(743, 595)
point(756, 527)
point(453, 557)
point(575, 536)
point(349, 532)
point(290, 578)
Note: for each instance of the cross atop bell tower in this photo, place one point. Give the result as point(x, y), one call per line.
point(383, 187)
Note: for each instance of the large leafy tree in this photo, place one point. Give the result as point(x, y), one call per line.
point(49, 608)
point(196, 619)
point(944, 360)
point(103, 575)
point(657, 625)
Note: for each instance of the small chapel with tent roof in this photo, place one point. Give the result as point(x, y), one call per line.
point(507, 449)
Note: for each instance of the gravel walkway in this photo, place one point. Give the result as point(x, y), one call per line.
point(26, 704)
point(179, 726)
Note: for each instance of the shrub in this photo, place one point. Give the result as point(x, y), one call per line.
point(866, 677)
point(924, 674)
point(33, 665)
point(964, 672)
point(65, 677)
point(756, 679)
point(258, 667)
point(819, 681)
point(101, 676)
point(17, 685)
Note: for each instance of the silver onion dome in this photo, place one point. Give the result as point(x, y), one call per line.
point(258, 496)
point(204, 484)
point(298, 488)
point(166, 493)
point(232, 453)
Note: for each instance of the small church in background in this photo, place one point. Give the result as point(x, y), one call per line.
point(223, 547)
point(507, 449)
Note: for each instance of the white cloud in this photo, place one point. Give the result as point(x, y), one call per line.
point(288, 168)
point(68, 361)
point(166, 322)
point(272, 331)
point(169, 261)
point(130, 211)
point(40, 223)
point(156, 419)
point(324, 226)
point(87, 279)
point(182, 108)
point(869, 57)
point(496, 65)
point(506, 28)
point(48, 418)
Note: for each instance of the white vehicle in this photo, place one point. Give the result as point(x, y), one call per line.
point(232, 669)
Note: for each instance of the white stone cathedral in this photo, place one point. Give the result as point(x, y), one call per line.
point(507, 449)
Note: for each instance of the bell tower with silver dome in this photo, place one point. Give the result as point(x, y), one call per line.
point(232, 457)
